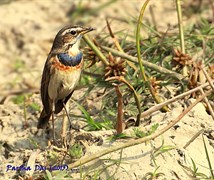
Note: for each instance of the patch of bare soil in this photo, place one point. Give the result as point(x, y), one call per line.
point(26, 33)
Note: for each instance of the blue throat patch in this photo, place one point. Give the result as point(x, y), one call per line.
point(67, 60)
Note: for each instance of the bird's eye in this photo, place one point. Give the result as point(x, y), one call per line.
point(73, 32)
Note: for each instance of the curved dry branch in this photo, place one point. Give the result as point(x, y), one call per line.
point(137, 141)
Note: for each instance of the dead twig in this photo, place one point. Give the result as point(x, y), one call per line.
point(120, 124)
point(193, 138)
point(137, 141)
point(118, 45)
point(113, 36)
point(137, 100)
point(59, 149)
point(159, 106)
point(208, 104)
point(208, 78)
point(18, 92)
point(212, 7)
point(152, 66)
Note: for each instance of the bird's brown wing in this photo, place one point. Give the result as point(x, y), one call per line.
point(48, 105)
point(44, 87)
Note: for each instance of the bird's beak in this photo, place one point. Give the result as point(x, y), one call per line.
point(86, 30)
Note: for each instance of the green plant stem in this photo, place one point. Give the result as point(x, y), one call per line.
point(181, 34)
point(155, 67)
point(137, 141)
point(152, 66)
point(95, 49)
point(138, 40)
point(180, 25)
point(137, 100)
point(142, 70)
point(208, 158)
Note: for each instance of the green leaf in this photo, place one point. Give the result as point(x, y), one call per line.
point(154, 128)
point(76, 151)
point(35, 106)
point(119, 136)
point(19, 99)
point(61, 175)
point(88, 118)
point(49, 176)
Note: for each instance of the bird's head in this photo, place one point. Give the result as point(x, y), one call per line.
point(69, 37)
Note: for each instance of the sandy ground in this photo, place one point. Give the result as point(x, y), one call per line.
point(26, 33)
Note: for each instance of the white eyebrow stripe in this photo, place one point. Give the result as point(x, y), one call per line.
point(66, 31)
point(71, 29)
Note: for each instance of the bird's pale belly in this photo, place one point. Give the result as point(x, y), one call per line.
point(62, 83)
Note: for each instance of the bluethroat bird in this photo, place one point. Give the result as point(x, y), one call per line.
point(61, 72)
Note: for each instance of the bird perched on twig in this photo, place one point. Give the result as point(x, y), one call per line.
point(61, 72)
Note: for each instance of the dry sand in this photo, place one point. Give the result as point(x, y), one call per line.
point(26, 33)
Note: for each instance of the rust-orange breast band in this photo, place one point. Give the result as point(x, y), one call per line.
point(58, 65)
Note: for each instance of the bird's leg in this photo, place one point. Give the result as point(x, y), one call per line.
point(67, 116)
point(64, 127)
point(54, 138)
point(53, 126)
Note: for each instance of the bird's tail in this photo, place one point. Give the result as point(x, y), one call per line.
point(43, 119)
